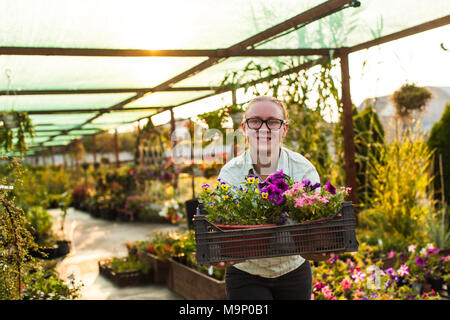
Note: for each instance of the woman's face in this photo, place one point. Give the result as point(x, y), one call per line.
point(264, 140)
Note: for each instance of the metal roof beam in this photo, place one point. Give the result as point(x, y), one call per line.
point(100, 91)
point(211, 53)
point(404, 33)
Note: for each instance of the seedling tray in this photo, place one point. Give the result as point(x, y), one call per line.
point(334, 234)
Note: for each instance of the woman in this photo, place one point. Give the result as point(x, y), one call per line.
point(265, 124)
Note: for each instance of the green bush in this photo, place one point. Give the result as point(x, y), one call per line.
point(439, 141)
point(369, 139)
point(400, 202)
point(40, 225)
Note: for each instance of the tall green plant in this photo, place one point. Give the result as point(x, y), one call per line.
point(439, 141)
point(15, 240)
point(369, 139)
point(400, 203)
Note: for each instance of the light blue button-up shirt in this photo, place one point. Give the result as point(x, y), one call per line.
point(295, 166)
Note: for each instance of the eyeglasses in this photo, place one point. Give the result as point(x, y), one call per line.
point(272, 124)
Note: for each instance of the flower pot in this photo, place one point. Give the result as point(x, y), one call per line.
point(123, 217)
point(124, 278)
point(241, 246)
point(47, 253)
point(193, 285)
point(63, 247)
point(107, 214)
point(160, 267)
point(436, 283)
point(190, 207)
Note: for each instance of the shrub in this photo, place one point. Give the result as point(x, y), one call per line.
point(439, 141)
point(400, 180)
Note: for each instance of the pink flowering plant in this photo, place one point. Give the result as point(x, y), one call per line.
point(272, 201)
point(306, 201)
point(356, 276)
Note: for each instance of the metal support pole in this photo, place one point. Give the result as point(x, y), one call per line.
point(116, 148)
point(94, 150)
point(349, 143)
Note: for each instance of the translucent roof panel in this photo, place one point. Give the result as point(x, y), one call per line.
point(167, 99)
point(352, 26)
point(52, 127)
point(61, 101)
point(214, 75)
point(54, 120)
point(83, 132)
point(138, 23)
point(75, 72)
point(66, 137)
point(56, 143)
point(47, 133)
point(122, 117)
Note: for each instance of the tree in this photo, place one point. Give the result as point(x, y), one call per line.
point(369, 139)
point(439, 141)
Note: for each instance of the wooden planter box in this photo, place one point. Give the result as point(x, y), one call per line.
point(161, 268)
point(125, 278)
point(194, 285)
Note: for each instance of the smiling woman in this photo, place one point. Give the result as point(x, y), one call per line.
point(265, 126)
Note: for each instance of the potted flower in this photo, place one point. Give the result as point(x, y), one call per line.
point(128, 271)
point(172, 211)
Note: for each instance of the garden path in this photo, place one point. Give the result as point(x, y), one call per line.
point(96, 239)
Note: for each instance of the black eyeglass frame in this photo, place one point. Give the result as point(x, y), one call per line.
point(266, 122)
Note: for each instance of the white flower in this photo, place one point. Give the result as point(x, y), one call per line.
point(423, 251)
point(430, 246)
point(412, 248)
point(403, 271)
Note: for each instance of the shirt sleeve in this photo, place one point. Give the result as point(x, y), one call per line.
point(312, 174)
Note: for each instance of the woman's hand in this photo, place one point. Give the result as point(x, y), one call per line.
point(221, 264)
point(226, 264)
point(320, 256)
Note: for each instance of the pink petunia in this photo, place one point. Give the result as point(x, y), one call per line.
point(391, 254)
point(346, 283)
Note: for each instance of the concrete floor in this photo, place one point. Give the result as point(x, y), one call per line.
point(97, 239)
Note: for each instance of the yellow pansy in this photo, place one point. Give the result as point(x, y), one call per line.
point(224, 186)
point(257, 190)
point(264, 195)
point(251, 180)
point(257, 180)
point(225, 197)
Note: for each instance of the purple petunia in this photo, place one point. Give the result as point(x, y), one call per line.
point(306, 183)
point(420, 261)
point(330, 188)
point(315, 186)
point(390, 272)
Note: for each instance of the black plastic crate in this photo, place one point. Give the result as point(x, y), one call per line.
point(334, 234)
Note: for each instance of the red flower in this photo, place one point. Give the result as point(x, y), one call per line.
point(150, 247)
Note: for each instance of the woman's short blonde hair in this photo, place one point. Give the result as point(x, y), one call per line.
point(267, 99)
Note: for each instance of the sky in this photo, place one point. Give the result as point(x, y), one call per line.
point(381, 70)
point(374, 72)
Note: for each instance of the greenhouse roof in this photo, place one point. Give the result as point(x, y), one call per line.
point(82, 67)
